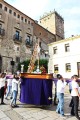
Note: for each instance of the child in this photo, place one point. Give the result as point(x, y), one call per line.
point(60, 94)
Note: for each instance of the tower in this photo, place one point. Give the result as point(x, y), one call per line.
point(54, 23)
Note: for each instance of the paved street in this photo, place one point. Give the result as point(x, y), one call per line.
point(32, 112)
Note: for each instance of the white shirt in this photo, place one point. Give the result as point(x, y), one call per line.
point(9, 82)
point(14, 85)
point(60, 86)
point(2, 82)
point(74, 86)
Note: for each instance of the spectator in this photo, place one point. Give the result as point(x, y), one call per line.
point(9, 87)
point(2, 85)
point(15, 82)
point(70, 89)
point(75, 96)
point(60, 94)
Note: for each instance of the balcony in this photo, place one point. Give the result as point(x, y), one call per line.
point(29, 43)
point(17, 38)
point(2, 32)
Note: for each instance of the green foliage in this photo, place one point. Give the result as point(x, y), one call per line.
point(25, 63)
point(43, 62)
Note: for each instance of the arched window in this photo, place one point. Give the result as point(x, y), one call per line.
point(14, 14)
point(18, 16)
point(0, 5)
point(5, 8)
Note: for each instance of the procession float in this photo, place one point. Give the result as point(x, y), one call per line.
point(36, 87)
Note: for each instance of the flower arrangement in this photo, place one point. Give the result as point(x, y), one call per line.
point(43, 70)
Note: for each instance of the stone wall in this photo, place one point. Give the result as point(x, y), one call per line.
point(12, 21)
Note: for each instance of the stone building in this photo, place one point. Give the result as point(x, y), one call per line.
point(54, 23)
point(18, 35)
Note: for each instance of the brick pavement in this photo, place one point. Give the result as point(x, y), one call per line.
point(32, 112)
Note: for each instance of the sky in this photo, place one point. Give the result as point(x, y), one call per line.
point(68, 9)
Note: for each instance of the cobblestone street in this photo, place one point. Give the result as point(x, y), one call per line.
point(32, 112)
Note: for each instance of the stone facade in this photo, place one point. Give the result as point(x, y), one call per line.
point(18, 35)
point(54, 23)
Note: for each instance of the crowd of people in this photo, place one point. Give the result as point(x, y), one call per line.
point(74, 91)
point(9, 87)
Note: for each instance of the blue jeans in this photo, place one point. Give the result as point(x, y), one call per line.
point(9, 91)
point(60, 106)
point(14, 97)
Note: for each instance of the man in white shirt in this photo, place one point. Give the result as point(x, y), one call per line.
point(75, 96)
point(60, 94)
